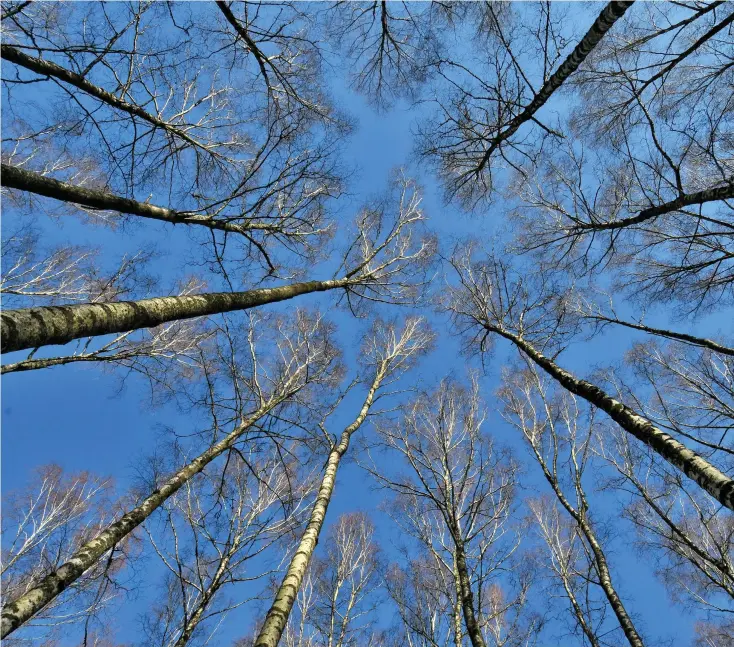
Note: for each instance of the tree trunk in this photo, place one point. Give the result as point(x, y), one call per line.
point(467, 598)
point(605, 578)
point(36, 327)
point(23, 180)
point(15, 613)
point(725, 192)
point(48, 68)
point(579, 613)
point(191, 624)
point(708, 477)
point(668, 334)
point(609, 15)
point(458, 607)
point(277, 617)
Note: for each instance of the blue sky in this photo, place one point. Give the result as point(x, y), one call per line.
point(78, 417)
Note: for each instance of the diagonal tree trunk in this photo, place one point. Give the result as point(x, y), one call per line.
point(725, 192)
point(23, 180)
point(706, 475)
point(18, 611)
point(41, 326)
point(702, 342)
point(610, 14)
point(48, 68)
point(277, 617)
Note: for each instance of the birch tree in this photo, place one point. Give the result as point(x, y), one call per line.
point(561, 446)
point(532, 314)
point(346, 584)
point(144, 97)
point(683, 532)
point(303, 355)
point(43, 525)
point(388, 352)
point(644, 183)
point(209, 535)
point(385, 261)
point(455, 498)
point(340, 593)
point(473, 133)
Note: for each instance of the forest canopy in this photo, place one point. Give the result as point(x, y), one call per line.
point(367, 324)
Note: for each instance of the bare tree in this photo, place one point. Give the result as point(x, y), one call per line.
point(162, 107)
point(644, 182)
point(392, 46)
point(388, 353)
point(683, 532)
point(65, 274)
point(303, 355)
point(208, 535)
point(561, 446)
point(455, 500)
point(43, 525)
point(340, 591)
point(345, 584)
point(490, 300)
point(483, 110)
point(427, 605)
point(566, 558)
point(384, 262)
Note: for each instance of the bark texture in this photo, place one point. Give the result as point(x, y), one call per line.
point(36, 327)
point(467, 597)
point(277, 617)
point(609, 15)
point(15, 613)
point(706, 475)
point(23, 180)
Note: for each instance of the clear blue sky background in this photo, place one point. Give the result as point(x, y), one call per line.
point(76, 417)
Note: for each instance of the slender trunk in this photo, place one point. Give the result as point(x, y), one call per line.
point(36, 327)
point(48, 68)
point(277, 617)
point(458, 607)
point(467, 598)
point(15, 613)
point(14, 177)
point(33, 364)
point(578, 612)
point(206, 598)
point(605, 580)
point(669, 334)
point(605, 577)
point(707, 476)
point(610, 14)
